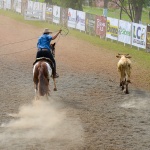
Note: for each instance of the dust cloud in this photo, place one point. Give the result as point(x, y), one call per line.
point(138, 103)
point(41, 120)
point(138, 100)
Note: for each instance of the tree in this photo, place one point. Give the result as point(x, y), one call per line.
point(74, 4)
point(48, 1)
point(133, 8)
point(105, 8)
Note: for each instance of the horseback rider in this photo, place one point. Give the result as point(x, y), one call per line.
point(45, 49)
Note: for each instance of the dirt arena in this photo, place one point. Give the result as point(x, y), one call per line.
point(88, 112)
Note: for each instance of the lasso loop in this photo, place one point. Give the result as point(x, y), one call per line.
point(64, 31)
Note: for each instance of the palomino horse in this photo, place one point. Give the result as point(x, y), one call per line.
point(41, 76)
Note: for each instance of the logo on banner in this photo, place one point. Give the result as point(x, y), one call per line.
point(48, 10)
point(77, 19)
point(112, 30)
point(101, 25)
point(124, 31)
point(56, 12)
point(139, 35)
point(70, 17)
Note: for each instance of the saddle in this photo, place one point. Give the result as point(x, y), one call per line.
point(44, 59)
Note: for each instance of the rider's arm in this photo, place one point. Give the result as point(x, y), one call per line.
point(55, 36)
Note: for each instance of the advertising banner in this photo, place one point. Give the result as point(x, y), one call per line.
point(90, 23)
point(71, 18)
point(36, 6)
point(112, 28)
point(101, 26)
point(30, 5)
point(139, 35)
point(7, 4)
point(42, 8)
point(4, 4)
point(80, 21)
point(49, 12)
point(63, 16)
point(1, 4)
point(124, 32)
point(35, 11)
point(56, 14)
point(18, 6)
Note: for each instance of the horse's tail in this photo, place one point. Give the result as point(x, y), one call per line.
point(43, 85)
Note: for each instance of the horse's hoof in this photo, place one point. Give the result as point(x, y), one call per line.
point(128, 81)
point(126, 92)
point(55, 89)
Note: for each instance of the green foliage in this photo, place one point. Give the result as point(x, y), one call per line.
point(74, 4)
point(114, 13)
point(41, 1)
point(133, 8)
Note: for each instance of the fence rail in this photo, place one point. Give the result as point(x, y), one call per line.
point(105, 27)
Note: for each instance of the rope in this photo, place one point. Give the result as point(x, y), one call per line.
point(64, 32)
point(17, 42)
point(18, 51)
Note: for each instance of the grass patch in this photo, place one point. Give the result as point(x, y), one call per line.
point(140, 56)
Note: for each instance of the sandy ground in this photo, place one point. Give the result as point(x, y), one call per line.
point(88, 112)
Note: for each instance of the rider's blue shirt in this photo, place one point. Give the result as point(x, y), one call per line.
point(44, 41)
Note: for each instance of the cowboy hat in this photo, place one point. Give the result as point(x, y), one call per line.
point(46, 30)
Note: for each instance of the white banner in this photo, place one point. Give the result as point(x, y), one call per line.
point(124, 33)
point(112, 28)
point(71, 18)
point(56, 14)
point(35, 6)
point(35, 11)
point(42, 8)
point(30, 5)
point(1, 4)
point(4, 4)
point(80, 21)
point(7, 4)
point(18, 6)
point(139, 35)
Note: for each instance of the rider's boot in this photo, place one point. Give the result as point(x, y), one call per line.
point(54, 74)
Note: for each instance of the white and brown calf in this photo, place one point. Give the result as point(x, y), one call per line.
point(124, 69)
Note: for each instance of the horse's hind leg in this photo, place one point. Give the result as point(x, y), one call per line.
point(55, 88)
point(36, 92)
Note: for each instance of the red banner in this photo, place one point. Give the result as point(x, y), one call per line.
point(101, 26)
